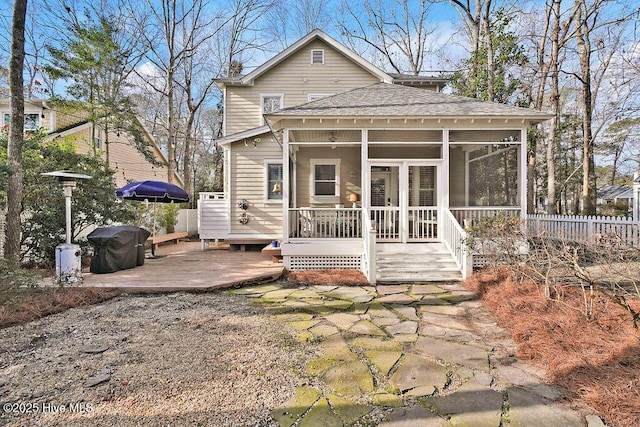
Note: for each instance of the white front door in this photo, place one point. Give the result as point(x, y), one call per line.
point(404, 201)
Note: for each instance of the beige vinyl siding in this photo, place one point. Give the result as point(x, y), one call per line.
point(248, 181)
point(296, 78)
point(349, 173)
point(128, 163)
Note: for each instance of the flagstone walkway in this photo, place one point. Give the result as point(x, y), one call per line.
point(406, 355)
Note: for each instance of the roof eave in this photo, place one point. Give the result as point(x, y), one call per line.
point(538, 118)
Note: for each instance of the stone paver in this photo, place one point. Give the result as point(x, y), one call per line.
point(472, 404)
point(383, 360)
point(343, 321)
point(426, 289)
point(350, 379)
point(412, 417)
point(397, 299)
point(407, 312)
point(289, 412)
point(381, 350)
point(321, 415)
point(408, 327)
point(528, 409)
point(365, 327)
point(417, 371)
point(348, 411)
point(323, 330)
point(466, 355)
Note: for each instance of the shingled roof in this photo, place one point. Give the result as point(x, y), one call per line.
point(390, 100)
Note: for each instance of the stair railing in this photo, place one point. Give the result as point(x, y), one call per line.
point(454, 238)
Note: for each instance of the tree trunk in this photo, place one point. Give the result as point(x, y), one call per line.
point(555, 109)
point(537, 104)
point(486, 24)
point(16, 135)
point(584, 53)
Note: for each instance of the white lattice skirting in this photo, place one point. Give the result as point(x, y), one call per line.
point(480, 261)
point(318, 262)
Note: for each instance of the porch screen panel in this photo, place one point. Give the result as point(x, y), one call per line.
point(493, 176)
point(422, 182)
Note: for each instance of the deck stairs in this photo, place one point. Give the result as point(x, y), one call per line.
point(415, 262)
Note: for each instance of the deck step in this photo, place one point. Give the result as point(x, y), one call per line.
point(415, 263)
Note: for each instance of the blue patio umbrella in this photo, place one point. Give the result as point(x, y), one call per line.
point(153, 191)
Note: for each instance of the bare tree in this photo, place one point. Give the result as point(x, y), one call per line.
point(197, 91)
point(16, 133)
point(397, 30)
point(172, 32)
point(292, 19)
point(241, 36)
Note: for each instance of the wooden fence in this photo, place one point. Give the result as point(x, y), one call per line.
point(592, 229)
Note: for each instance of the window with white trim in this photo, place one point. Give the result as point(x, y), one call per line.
point(314, 96)
point(273, 172)
point(31, 121)
point(317, 56)
point(325, 178)
point(270, 102)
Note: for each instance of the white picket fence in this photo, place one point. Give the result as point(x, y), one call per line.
point(592, 229)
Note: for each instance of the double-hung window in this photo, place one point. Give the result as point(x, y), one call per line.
point(273, 171)
point(325, 180)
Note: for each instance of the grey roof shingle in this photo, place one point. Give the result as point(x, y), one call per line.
point(384, 99)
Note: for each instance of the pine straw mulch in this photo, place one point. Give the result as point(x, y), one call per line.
point(597, 360)
point(21, 305)
point(340, 277)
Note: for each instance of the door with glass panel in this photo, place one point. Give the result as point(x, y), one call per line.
point(422, 209)
point(384, 200)
point(403, 202)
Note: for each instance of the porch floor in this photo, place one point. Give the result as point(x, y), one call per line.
point(415, 262)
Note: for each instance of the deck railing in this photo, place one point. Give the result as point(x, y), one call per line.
point(369, 247)
point(325, 223)
point(475, 213)
point(386, 220)
point(423, 223)
point(454, 238)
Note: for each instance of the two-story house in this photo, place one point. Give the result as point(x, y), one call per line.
point(352, 167)
point(124, 158)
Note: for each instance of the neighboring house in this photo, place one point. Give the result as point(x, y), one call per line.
point(124, 158)
point(321, 147)
point(615, 194)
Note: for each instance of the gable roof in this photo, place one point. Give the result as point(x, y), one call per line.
point(610, 192)
point(391, 100)
point(247, 80)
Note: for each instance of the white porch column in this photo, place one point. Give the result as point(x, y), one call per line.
point(285, 185)
point(522, 173)
point(445, 169)
point(365, 170)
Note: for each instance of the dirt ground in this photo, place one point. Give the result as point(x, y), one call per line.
point(149, 360)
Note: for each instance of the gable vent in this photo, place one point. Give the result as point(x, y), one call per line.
point(317, 56)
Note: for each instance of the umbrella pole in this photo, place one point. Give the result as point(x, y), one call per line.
point(153, 231)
